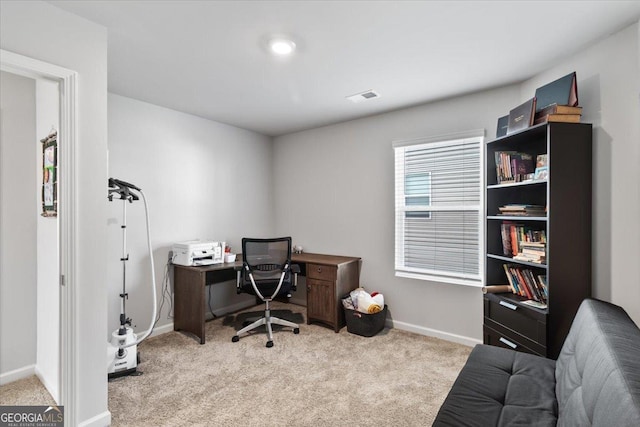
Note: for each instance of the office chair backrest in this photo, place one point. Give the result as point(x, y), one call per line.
point(267, 258)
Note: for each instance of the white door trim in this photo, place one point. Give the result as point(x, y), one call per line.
point(67, 140)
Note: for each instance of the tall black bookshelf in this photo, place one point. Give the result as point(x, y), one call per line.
point(566, 194)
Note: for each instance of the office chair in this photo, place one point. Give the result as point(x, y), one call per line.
point(266, 273)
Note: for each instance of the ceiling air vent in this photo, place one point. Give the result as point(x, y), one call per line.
point(364, 96)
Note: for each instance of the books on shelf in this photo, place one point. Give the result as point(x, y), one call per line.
point(525, 283)
point(563, 91)
point(559, 109)
point(517, 237)
point(523, 210)
point(562, 118)
point(503, 123)
point(542, 171)
point(512, 166)
point(521, 117)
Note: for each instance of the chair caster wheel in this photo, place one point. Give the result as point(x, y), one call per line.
point(235, 338)
point(269, 344)
point(296, 331)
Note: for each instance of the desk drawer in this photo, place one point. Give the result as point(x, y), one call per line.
point(322, 272)
point(527, 322)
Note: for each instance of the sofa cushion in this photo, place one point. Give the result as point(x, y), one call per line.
point(501, 387)
point(598, 369)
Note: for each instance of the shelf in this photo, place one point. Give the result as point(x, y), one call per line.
point(517, 218)
point(517, 184)
point(516, 261)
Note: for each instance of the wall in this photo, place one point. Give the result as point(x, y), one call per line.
point(609, 89)
point(17, 227)
point(202, 179)
point(334, 191)
point(48, 270)
point(341, 200)
point(77, 44)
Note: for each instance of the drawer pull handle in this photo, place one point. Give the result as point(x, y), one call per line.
point(319, 270)
point(508, 305)
point(509, 343)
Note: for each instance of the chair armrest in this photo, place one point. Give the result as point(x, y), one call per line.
point(295, 269)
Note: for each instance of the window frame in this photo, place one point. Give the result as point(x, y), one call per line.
point(401, 208)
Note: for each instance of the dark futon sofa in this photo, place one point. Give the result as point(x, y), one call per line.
point(594, 382)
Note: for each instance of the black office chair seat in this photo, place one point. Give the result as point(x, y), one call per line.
point(266, 272)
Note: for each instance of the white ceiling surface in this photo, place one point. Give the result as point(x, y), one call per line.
point(208, 58)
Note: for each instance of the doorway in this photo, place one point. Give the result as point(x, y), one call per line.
point(29, 257)
point(66, 308)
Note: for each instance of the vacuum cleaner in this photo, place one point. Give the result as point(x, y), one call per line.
point(122, 354)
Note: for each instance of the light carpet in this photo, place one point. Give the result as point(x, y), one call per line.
point(317, 377)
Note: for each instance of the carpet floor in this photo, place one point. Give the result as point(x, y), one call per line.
point(317, 377)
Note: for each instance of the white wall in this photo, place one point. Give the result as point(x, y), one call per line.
point(18, 150)
point(48, 261)
point(202, 179)
point(335, 194)
point(609, 91)
point(44, 32)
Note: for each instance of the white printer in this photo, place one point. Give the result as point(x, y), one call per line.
point(197, 252)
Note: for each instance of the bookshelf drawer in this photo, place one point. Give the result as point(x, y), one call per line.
point(511, 341)
point(529, 323)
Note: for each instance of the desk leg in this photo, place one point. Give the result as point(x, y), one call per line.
point(189, 300)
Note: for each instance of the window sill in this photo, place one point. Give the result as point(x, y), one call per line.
point(476, 283)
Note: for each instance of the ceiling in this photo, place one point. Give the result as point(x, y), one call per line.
point(208, 58)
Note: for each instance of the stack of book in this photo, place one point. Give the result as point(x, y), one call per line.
point(558, 113)
point(514, 236)
point(526, 283)
point(523, 210)
point(532, 252)
point(512, 166)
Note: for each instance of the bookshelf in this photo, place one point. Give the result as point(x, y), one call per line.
point(566, 226)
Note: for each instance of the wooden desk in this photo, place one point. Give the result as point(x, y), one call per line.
point(329, 277)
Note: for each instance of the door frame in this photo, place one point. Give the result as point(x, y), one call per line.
point(67, 214)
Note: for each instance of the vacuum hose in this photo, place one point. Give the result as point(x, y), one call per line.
point(153, 276)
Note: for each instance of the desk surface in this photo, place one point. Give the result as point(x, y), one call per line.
point(295, 258)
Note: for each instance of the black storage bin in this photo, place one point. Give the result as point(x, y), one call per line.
point(366, 325)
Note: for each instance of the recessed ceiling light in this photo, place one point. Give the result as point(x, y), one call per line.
point(281, 47)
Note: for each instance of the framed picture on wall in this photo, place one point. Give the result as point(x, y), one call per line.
point(50, 174)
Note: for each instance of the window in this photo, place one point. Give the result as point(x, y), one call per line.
point(438, 204)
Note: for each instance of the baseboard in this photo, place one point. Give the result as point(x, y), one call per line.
point(17, 374)
point(162, 329)
point(53, 391)
point(100, 420)
point(421, 330)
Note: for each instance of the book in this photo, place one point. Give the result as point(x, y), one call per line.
point(541, 173)
point(535, 304)
point(541, 160)
point(523, 210)
point(503, 123)
point(557, 118)
point(521, 117)
point(563, 91)
point(559, 109)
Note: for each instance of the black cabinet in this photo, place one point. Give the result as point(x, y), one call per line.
point(566, 194)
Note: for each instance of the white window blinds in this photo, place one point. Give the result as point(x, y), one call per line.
point(438, 207)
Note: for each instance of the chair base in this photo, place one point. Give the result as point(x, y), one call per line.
point(267, 320)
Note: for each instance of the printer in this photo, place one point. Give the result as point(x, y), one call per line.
point(197, 252)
